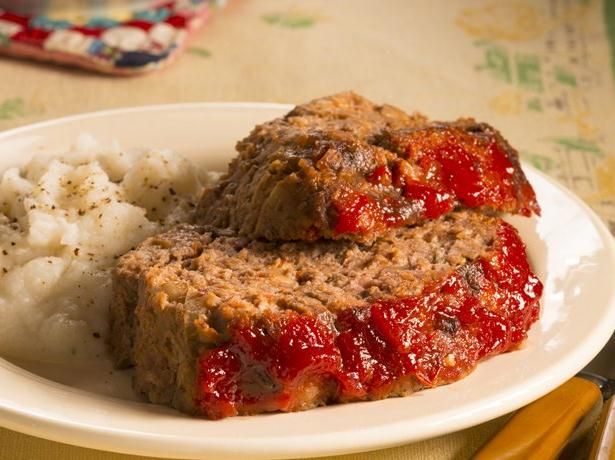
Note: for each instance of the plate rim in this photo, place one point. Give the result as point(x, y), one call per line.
point(345, 441)
point(146, 107)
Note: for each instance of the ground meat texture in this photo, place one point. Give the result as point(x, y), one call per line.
point(238, 326)
point(341, 167)
point(160, 250)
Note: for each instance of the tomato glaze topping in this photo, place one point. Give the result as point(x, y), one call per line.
point(484, 308)
point(438, 168)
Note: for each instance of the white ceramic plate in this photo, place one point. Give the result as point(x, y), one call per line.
point(570, 249)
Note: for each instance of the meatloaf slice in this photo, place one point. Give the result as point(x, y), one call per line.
point(161, 250)
point(342, 167)
point(248, 326)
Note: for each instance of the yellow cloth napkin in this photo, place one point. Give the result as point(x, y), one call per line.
point(543, 72)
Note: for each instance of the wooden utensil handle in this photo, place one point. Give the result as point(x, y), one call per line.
point(541, 429)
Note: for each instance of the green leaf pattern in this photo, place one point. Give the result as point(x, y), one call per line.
point(290, 20)
point(11, 108)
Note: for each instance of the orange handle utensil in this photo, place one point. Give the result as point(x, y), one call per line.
point(541, 429)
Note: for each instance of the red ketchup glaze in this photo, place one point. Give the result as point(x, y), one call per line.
point(433, 202)
point(360, 213)
point(355, 213)
point(449, 167)
point(473, 168)
point(482, 309)
point(380, 175)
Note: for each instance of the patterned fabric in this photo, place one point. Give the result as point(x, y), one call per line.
point(143, 41)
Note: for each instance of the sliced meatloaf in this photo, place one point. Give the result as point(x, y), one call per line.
point(342, 167)
point(160, 250)
point(243, 326)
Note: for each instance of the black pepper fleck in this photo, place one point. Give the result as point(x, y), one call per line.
point(448, 324)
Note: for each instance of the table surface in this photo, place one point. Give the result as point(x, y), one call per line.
point(543, 72)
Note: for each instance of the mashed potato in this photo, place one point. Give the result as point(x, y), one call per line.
point(63, 223)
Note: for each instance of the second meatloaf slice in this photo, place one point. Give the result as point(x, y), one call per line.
point(243, 326)
point(341, 167)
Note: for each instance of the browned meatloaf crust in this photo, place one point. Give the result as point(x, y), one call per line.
point(343, 167)
point(224, 325)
